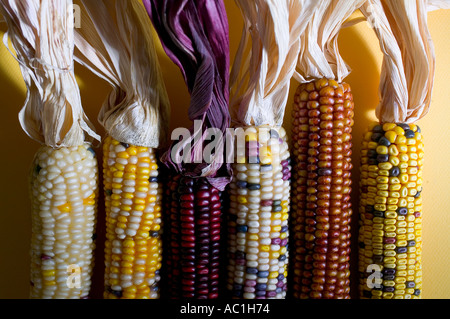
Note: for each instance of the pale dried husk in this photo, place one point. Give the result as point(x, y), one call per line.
point(116, 43)
point(408, 69)
point(41, 33)
point(393, 91)
point(319, 51)
point(266, 60)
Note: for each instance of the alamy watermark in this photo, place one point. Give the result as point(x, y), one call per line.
point(241, 145)
point(374, 280)
point(76, 16)
point(74, 276)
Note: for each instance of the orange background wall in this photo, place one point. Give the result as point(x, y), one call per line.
point(359, 48)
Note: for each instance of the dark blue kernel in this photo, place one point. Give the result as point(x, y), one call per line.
point(253, 187)
point(411, 243)
point(38, 169)
point(126, 145)
point(378, 129)
point(372, 153)
point(389, 277)
point(384, 141)
point(378, 213)
point(409, 134)
point(261, 286)
point(280, 277)
point(376, 137)
point(242, 228)
point(94, 237)
point(263, 274)
point(276, 202)
point(418, 129)
point(378, 259)
point(418, 194)
point(154, 234)
point(401, 250)
point(108, 192)
point(90, 149)
point(404, 126)
point(284, 229)
point(382, 158)
point(260, 293)
point(388, 289)
point(394, 171)
point(417, 292)
point(402, 211)
point(241, 184)
point(282, 257)
point(252, 270)
point(278, 290)
point(154, 288)
point(410, 284)
point(388, 271)
point(153, 179)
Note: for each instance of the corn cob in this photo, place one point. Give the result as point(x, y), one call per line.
point(390, 233)
point(133, 248)
point(321, 207)
point(64, 191)
point(194, 213)
point(258, 216)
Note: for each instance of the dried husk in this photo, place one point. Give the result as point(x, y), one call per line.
point(41, 33)
point(408, 68)
point(116, 43)
point(319, 55)
point(266, 59)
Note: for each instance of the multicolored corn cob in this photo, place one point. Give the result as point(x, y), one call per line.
point(194, 216)
point(64, 191)
point(321, 207)
point(133, 247)
point(258, 216)
point(390, 233)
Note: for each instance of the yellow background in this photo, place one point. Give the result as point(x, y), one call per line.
point(359, 48)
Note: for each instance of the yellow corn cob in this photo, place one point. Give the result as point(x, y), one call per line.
point(390, 233)
point(133, 221)
point(258, 219)
point(64, 191)
point(321, 208)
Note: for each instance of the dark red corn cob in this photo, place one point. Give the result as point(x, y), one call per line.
point(194, 214)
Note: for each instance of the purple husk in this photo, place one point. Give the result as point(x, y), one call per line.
point(194, 34)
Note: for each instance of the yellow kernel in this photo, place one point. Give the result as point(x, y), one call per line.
point(242, 199)
point(385, 166)
point(65, 208)
point(382, 179)
point(391, 136)
point(393, 150)
point(381, 149)
point(394, 160)
point(118, 174)
point(389, 126)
